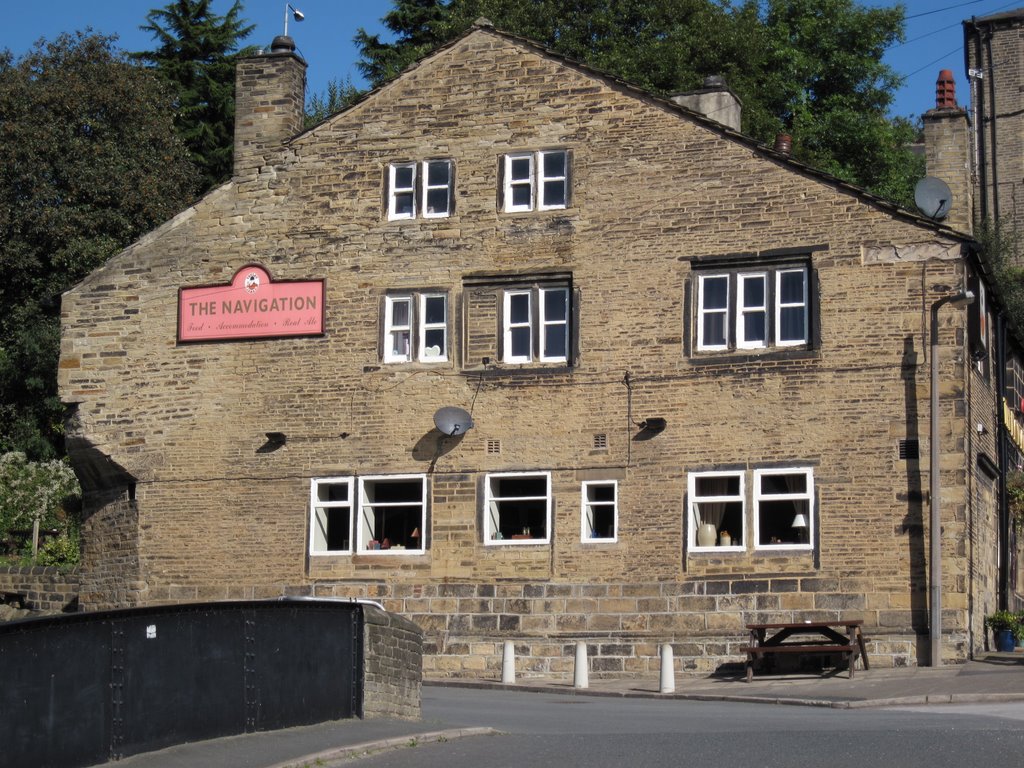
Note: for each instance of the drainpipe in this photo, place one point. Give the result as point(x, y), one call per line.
point(1004, 464)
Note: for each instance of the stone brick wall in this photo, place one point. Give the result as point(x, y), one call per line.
point(46, 588)
point(993, 46)
point(393, 665)
point(947, 155)
point(655, 192)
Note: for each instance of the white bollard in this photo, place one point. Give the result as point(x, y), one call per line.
point(508, 663)
point(580, 678)
point(668, 673)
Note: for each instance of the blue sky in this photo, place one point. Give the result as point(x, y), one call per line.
point(934, 34)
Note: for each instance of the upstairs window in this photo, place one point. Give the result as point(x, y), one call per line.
point(416, 328)
point(753, 309)
point(536, 325)
point(536, 180)
point(420, 189)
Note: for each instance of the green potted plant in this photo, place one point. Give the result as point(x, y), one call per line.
point(1005, 626)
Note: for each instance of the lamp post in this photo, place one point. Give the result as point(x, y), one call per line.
point(958, 300)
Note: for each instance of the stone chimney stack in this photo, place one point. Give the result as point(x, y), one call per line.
point(270, 96)
point(715, 101)
point(947, 150)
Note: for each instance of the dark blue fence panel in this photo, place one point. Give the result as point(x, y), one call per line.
point(80, 689)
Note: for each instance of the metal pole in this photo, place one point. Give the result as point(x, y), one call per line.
point(935, 517)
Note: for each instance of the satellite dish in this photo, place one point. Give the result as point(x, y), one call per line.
point(933, 198)
point(453, 421)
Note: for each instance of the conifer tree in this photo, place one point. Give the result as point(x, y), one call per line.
point(196, 53)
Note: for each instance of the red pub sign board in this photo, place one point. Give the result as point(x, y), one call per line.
point(251, 306)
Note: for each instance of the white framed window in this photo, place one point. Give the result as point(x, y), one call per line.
point(437, 188)
point(402, 191)
point(713, 312)
point(397, 329)
point(416, 328)
point(518, 321)
point(392, 515)
point(420, 189)
point(552, 186)
point(600, 505)
point(517, 508)
point(784, 508)
point(791, 307)
point(752, 309)
point(536, 180)
point(330, 521)
point(717, 511)
point(545, 337)
point(433, 325)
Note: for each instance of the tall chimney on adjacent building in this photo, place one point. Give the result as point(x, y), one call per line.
point(270, 95)
point(947, 150)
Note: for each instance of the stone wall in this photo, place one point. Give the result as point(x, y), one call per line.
point(46, 588)
point(393, 665)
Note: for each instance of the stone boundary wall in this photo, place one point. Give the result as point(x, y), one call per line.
point(465, 625)
point(46, 588)
point(392, 665)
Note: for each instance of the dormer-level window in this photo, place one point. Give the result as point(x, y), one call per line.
point(536, 180)
point(420, 189)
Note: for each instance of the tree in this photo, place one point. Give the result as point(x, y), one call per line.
point(32, 497)
point(89, 161)
point(337, 97)
point(810, 68)
point(196, 54)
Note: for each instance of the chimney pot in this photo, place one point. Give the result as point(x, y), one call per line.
point(783, 144)
point(282, 44)
point(945, 90)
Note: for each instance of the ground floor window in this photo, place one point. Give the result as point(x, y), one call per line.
point(387, 514)
point(331, 519)
point(717, 510)
point(600, 521)
point(783, 508)
point(517, 508)
point(780, 503)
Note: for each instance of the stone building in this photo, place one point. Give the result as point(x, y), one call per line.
point(697, 374)
point(994, 56)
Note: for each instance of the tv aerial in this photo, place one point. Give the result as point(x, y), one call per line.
point(933, 198)
point(453, 421)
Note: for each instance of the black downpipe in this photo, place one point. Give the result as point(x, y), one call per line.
point(1004, 461)
point(979, 116)
point(990, 76)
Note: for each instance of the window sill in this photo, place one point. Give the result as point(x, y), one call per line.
point(717, 550)
point(516, 541)
point(744, 356)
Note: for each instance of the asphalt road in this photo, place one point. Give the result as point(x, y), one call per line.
point(566, 731)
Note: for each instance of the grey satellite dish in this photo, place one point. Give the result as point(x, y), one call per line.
point(933, 198)
point(453, 421)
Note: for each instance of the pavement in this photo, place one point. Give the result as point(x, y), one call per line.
point(990, 678)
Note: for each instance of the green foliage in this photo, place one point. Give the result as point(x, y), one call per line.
point(43, 491)
point(338, 96)
point(810, 68)
point(1000, 247)
point(89, 161)
point(196, 54)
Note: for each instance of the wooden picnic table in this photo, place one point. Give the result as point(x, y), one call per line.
point(825, 637)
